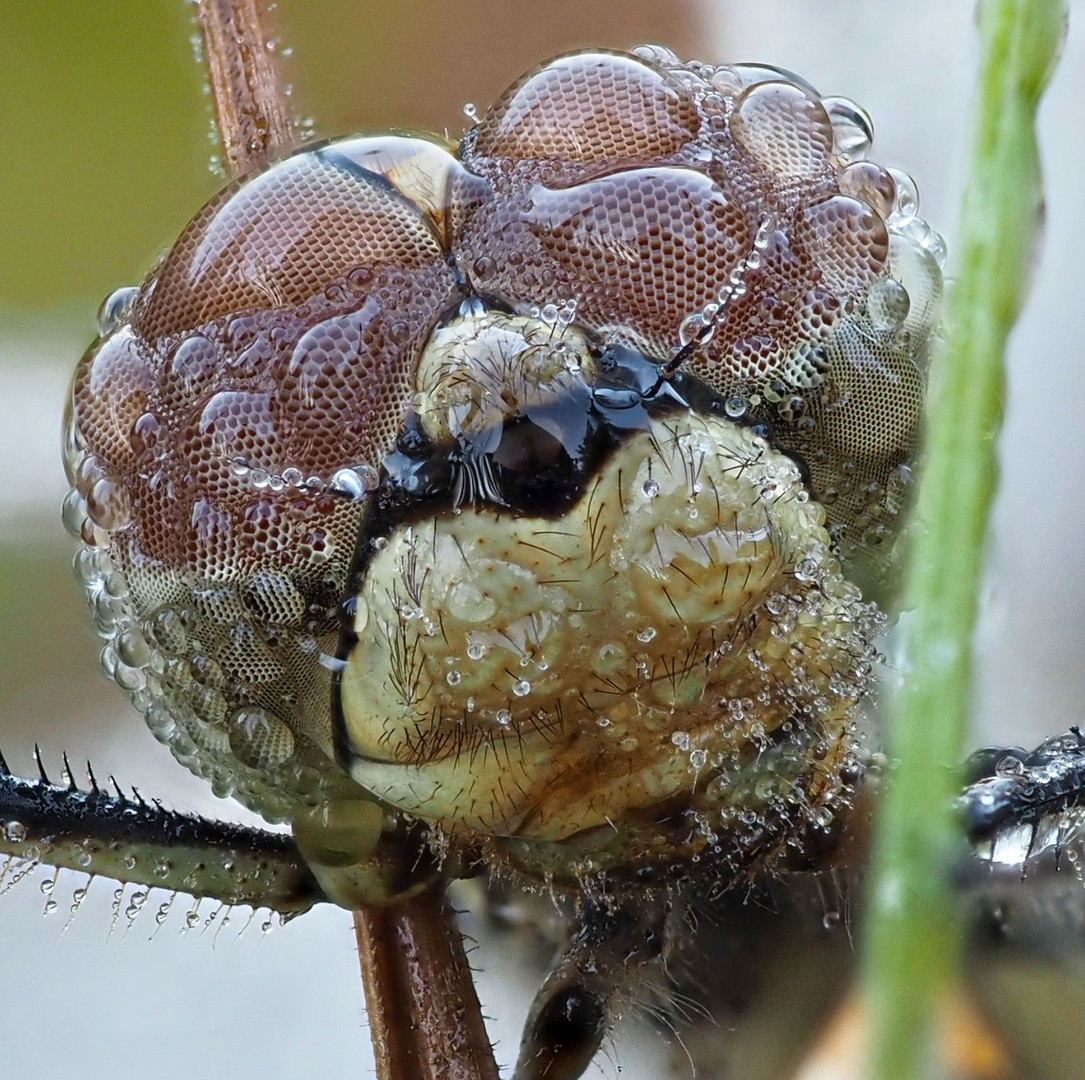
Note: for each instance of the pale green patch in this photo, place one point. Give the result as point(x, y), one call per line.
point(913, 929)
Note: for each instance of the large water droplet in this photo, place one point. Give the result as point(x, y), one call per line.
point(853, 130)
point(114, 309)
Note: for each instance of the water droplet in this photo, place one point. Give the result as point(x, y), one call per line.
point(871, 183)
point(853, 130)
point(888, 304)
point(646, 634)
point(935, 244)
point(73, 513)
point(114, 309)
point(14, 832)
point(907, 202)
point(680, 739)
point(471, 112)
point(132, 648)
point(453, 678)
point(483, 267)
point(145, 435)
point(370, 476)
point(735, 406)
point(691, 329)
point(108, 504)
point(659, 55)
point(355, 482)
point(503, 717)
point(650, 488)
point(697, 759)
point(1010, 765)
point(259, 738)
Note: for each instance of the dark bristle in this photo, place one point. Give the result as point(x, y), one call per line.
point(41, 765)
point(69, 773)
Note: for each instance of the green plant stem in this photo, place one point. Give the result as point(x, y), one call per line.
point(912, 943)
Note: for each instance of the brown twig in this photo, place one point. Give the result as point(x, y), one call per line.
point(250, 106)
point(424, 1015)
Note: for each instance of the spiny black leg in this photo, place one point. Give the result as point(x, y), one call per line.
point(1021, 803)
point(43, 776)
point(127, 839)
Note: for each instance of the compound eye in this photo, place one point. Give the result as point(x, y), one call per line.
point(279, 239)
point(224, 434)
point(727, 212)
point(584, 111)
point(785, 129)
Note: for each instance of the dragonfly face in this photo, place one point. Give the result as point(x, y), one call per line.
point(509, 488)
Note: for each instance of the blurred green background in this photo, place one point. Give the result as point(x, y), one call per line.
point(101, 124)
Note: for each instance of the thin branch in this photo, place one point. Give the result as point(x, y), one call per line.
point(250, 106)
point(424, 1015)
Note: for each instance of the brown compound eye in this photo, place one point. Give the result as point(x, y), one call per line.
point(755, 238)
point(583, 112)
point(223, 433)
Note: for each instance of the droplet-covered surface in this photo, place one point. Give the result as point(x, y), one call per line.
point(758, 229)
point(548, 679)
point(230, 430)
point(225, 431)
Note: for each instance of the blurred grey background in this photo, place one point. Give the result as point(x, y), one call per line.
point(106, 141)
